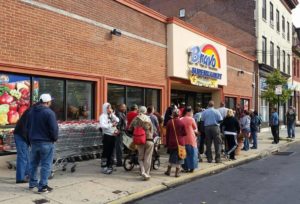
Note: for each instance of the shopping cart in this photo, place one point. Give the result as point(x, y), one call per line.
point(77, 141)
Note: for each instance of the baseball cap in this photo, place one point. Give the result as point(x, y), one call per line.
point(45, 98)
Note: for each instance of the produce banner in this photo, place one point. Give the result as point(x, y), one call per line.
point(14, 97)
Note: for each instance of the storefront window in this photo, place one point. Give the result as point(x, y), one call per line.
point(55, 87)
point(230, 102)
point(135, 95)
point(116, 95)
point(152, 97)
point(14, 97)
point(264, 110)
point(79, 100)
point(245, 103)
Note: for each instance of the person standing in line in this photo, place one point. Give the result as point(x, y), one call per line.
point(254, 125)
point(245, 126)
point(121, 126)
point(175, 132)
point(145, 150)
point(274, 123)
point(223, 110)
point(108, 124)
point(191, 160)
point(23, 149)
point(212, 119)
point(132, 114)
point(154, 120)
point(231, 127)
point(43, 133)
point(291, 122)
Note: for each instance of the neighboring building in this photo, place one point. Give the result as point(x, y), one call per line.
point(296, 70)
point(274, 45)
point(262, 28)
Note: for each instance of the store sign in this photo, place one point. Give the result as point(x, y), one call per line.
point(278, 89)
point(191, 56)
point(204, 64)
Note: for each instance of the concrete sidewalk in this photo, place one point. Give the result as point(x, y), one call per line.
point(88, 185)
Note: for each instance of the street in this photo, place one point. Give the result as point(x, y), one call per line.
point(274, 179)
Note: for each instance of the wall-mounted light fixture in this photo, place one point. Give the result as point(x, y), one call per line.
point(116, 32)
point(241, 72)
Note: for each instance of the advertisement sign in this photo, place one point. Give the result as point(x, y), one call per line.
point(195, 57)
point(278, 89)
point(204, 63)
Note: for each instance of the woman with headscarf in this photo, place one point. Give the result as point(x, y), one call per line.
point(191, 161)
point(108, 124)
point(175, 132)
point(145, 150)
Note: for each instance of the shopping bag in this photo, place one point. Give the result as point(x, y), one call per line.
point(181, 152)
point(127, 141)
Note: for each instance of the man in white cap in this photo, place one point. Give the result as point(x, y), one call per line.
point(43, 132)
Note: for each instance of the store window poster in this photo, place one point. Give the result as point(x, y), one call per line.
point(14, 97)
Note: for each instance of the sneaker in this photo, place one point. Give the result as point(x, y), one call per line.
point(45, 189)
point(253, 147)
point(32, 188)
point(107, 170)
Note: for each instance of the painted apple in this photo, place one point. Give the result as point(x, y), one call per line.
point(13, 117)
point(25, 93)
point(22, 109)
point(6, 98)
point(13, 106)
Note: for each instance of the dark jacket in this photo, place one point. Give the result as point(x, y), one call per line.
point(254, 123)
point(230, 124)
point(42, 125)
point(122, 121)
point(171, 142)
point(21, 127)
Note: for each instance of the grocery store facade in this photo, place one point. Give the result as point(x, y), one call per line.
point(84, 54)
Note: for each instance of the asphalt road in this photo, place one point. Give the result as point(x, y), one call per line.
point(272, 180)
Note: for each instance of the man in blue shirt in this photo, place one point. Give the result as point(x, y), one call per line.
point(274, 123)
point(212, 118)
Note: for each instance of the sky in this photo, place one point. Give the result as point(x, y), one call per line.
point(296, 16)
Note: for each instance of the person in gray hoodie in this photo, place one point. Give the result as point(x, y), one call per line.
point(108, 124)
point(245, 126)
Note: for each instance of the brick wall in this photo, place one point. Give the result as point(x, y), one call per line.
point(228, 20)
point(34, 36)
point(296, 68)
point(239, 84)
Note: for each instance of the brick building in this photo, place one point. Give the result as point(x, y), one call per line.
point(84, 54)
point(296, 70)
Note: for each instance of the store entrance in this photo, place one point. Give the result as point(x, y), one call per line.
point(194, 99)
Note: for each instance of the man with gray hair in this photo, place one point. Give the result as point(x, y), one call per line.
point(145, 150)
point(212, 119)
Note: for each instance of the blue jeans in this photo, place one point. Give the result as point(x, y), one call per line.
point(254, 137)
point(246, 139)
point(291, 129)
point(23, 160)
point(41, 153)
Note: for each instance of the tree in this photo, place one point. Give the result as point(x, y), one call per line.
point(273, 79)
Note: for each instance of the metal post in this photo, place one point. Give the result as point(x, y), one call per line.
point(278, 115)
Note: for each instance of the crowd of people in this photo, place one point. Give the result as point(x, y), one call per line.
point(188, 136)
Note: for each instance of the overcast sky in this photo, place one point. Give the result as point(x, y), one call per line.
point(296, 16)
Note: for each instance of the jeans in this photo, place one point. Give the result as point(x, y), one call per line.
point(246, 134)
point(23, 160)
point(291, 129)
point(41, 153)
point(254, 137)
point(275, 133)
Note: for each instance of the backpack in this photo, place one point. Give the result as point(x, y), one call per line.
point(139, 136)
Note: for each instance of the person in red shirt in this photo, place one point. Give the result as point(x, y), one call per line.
point(131, 114)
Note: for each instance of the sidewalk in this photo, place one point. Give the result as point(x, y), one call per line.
point(88, 185)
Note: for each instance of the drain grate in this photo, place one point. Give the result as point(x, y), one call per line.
point(283, 153)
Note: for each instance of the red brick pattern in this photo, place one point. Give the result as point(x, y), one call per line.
point(34, 36)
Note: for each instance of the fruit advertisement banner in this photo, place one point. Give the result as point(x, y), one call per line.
point(14, 97)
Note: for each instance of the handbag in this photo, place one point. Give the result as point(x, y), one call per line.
point(139, 136)
point(181, 149)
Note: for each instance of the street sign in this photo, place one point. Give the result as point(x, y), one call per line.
point(278, 89)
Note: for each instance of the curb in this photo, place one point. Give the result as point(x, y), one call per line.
point(199, 174)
